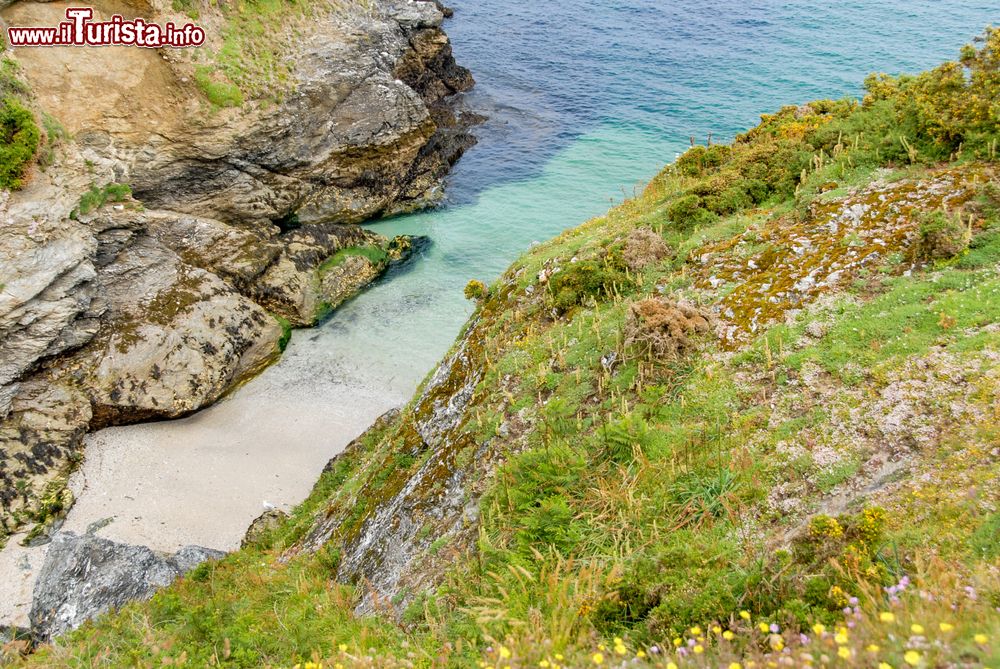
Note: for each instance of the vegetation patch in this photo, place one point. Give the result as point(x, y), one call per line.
point(376, 255)
point(663, 329)
point(98, 196)
point(19, 137)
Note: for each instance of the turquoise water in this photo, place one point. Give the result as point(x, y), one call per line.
point(586, 102)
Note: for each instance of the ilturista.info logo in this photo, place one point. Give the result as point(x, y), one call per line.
point(79, 29)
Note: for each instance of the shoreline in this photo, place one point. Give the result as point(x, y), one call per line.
point(205, 478)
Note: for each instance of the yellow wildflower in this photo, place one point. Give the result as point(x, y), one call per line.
point(735, 665)
point(872, 648)
point(620, 649)
point(716, 629)
point(677, 642)
point(695, 631)
point(887, 616)
point(728, 635)
point(763, 627)
point(912, 658)
point(819, 628)
point(504, 652)
point(560, 657)
point(699, 649)
point(745, 615)
point(543, 664)
point(916, 628)
point(844, 652)
point(946, 627)
point(981, 639)
point(884, 665)
point(841, 637)
point(671, 665)
point(640, 654)
point(597, 658)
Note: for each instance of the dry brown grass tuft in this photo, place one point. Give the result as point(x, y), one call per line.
point(662, 328)
point(643, 247)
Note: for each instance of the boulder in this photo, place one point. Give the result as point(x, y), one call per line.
point(87, 575)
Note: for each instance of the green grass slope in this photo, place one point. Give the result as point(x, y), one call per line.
point(750, 418)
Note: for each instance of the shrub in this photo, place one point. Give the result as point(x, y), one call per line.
point(947, 109)
point(942, 236)
point(19, 137)
point(662, 329)
point(696, 160)
point(688, 211)
point(475, 290)
point(643, 247)
point(584, 280)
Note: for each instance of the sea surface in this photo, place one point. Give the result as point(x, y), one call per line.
point(587, 100)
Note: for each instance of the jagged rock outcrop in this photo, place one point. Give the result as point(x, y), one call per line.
point(86, 575)
point(141, 311)
point(363, 131)
point(386, 548)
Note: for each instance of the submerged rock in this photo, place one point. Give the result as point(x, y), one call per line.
point(86, 575)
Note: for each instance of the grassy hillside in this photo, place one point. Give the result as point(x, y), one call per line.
point(750, 418)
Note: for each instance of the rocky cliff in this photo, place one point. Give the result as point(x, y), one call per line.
point(159, 250)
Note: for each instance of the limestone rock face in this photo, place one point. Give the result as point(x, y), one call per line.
point(364, 130)
point(154, 307)
point(84, 576)
point(179, 337)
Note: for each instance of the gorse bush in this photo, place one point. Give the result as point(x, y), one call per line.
point(950, 108)
point(19, 135)
point(475, 290)
point(585, 280)
point(949, 112)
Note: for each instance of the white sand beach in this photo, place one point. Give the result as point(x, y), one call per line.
point(203, 479)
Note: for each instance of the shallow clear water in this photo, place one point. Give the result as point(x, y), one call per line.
point(586, 101)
